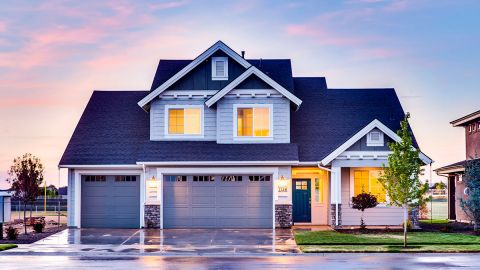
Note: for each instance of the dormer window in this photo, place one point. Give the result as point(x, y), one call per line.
point(375, 138)
point(219, 68)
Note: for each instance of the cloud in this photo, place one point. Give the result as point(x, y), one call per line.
point(3, 26)
point(169, 4)
point(324, 36)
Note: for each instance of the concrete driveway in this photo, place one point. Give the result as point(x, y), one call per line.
point(164, 242)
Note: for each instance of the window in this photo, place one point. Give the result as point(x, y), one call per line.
point(95, 178)
point(231, 178)
point(203, 178)
point(219, 68)
point(469, 128)
point(375, 138)
point(474, 127)
point(184, 121)
point(253, 122)
point(301, 185)
point(259, 178)
point(318, 190)
point(367, 181)
point(175, 178)
point(125, 178)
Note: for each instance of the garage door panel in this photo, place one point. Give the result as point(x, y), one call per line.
point(203, 211)
point(203, 190)
point(203, 222)
point(175, 212)
point(255, 200)
point(204, 200)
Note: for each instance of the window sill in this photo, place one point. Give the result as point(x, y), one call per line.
point(219, 78)
point(180, 136)
point(236, 138)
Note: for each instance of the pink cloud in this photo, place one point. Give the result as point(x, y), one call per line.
point(170, 4)
point(30, 102)
point(378, 53)
point(324, 36)
point(3, 26)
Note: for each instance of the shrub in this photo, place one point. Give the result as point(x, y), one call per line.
point(364, 201)
point(12, 233)
point(38, 226)
point(447, 228)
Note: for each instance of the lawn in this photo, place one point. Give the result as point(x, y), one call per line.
point(332, 241)
point(435, 221)
point(7, 246)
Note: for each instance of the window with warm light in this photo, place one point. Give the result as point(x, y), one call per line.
point(253, 122)
point(318, 190)
point(184, 121)
point(367, 181)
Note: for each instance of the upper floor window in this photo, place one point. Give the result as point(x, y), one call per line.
point(219, 68)
point(366, 181)
point(253, 121)
point(375, 138)
point(183, 120)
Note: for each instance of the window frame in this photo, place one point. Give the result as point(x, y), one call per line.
point(214, 68)
point(253, 137)
point(352, 184)
point(183, 136)
point(380, 142)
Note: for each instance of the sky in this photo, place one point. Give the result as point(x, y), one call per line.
point(53, 54)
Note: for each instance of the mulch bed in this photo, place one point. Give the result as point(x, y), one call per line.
point(452, 227)
point(32, 236)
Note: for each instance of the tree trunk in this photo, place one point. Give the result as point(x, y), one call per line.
point(25, 217)
point(405, 221)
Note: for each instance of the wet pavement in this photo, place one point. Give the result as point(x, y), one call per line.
point(86, 242)
point(330, 261)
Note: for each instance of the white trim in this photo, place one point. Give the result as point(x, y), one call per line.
point(219, 45)
point(379, 142)
point(253, 137)
point(245, 75)
point(216, 163)
point(102, 166)
point(374, 124)
point(183, 136)
point(352, 184)
point(214, 68)
point(361, 155)
point(465, 119)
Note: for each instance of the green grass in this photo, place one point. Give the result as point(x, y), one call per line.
point(390, 248)
point(7, 246)
point(435, 221)
point(414, 238)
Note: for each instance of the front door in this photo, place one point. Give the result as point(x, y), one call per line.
point(301, 200)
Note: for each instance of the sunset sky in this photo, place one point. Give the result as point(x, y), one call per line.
point(53, 54)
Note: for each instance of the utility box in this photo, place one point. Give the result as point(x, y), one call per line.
point(5, 206)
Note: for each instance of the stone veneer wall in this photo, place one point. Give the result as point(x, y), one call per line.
point(152, 216)
point(413, 215)
point(333, 214)
point(283, 215)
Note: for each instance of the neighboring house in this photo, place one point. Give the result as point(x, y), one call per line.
point(221, 141)
point(5, 205)
point(455, 171)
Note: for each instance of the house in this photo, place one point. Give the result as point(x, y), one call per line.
point(455, 171)
point(222, 141)
point(5, 205)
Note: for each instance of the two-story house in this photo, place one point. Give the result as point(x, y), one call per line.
point(455, 171)
point(222, 141)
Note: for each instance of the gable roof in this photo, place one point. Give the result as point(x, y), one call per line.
point(219, 45)
point(253, 71)
point(462, 121)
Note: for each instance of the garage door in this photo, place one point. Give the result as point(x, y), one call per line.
point(218, 201)
point(110, 201)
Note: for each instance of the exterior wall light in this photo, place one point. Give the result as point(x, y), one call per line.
point(152, 182)
point(282, 184)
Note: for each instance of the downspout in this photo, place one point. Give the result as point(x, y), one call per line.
point(336, 189)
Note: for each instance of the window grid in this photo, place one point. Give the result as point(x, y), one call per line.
point(203, 178)
point(175, 178)
point(125, 178)
point(259, 178)
point(232, 178)
point(95, 178)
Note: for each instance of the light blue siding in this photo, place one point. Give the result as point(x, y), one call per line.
point(157, 119)
point(361, 145)
point(71, 198)
point(281, 118)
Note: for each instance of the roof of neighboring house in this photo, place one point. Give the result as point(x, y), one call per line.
point(6, 192)
point(114, 130)
point(462, 121)
point(329, 117)
point(280, 70)
point(452, 168)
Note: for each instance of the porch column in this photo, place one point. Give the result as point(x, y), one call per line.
point(336, 196)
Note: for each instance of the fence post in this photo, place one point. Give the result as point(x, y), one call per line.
point(58, 224)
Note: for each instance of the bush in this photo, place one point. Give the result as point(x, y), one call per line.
point(38, 226)
point(364, 201)
point(409, 225)
point(12, 233)
point(447, 228)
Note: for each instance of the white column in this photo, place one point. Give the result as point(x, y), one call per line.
point(335, 188)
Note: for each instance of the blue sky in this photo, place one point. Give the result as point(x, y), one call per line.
point(53, 54)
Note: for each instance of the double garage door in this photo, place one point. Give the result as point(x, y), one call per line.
point(218, 201)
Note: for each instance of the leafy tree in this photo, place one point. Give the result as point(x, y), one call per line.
point(440, 185)
point(364, 201)
point(52, 191)
point(471, 204)
point(401, 178)
point(26, 175)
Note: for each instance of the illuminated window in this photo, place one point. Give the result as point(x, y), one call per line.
point(253, 122)
point(318, 190)
point(367, 181)
point(184, 121)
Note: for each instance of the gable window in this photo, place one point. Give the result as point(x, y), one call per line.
point(366, 181)
point(375, 138)
point(219, 68)
point(185, 120)
point(253, 121)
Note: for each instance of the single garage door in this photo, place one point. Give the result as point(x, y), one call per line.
point(110, 201)
point(218, 201)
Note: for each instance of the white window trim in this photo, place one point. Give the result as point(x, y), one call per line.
point(251, 138)
point(380, 142)
point(183, 136)
point(214, 68)
point(352, 185)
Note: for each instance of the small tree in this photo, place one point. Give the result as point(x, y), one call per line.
point(26, 175)
point(401, 178)
point(471, 204)
point(364, 201)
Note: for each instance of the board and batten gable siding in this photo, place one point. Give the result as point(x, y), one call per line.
point(157, 119)
point(361, 145)
point(200, 78)
point(280, 125)
point(380, 215)
point(71, 198)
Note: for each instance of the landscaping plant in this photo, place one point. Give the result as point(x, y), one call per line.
point(401, 178)
point(364, 201)
point(25, 176)
point(38, 226)
point(12, 233)
point(471, 204)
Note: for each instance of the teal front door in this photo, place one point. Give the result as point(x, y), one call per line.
point(302, 211)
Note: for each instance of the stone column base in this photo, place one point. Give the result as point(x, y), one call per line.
point(333, 214)
point(283, 216)
point(413, 215)
point(152, 216)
